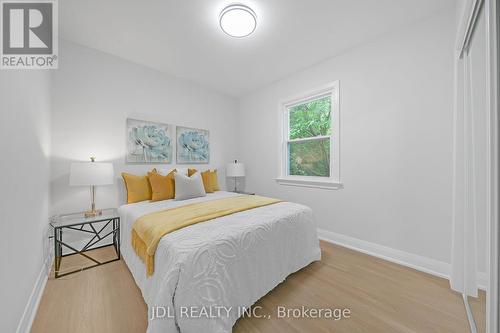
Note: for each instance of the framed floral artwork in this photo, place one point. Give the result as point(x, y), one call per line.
point(148, 142)
point(192, 146)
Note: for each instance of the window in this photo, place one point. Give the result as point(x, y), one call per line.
point(310, 145)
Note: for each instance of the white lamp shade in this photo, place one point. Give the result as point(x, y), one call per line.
point(91, 173)
point(235, 170)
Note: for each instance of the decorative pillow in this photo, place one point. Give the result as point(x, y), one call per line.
point(138, 187)
point(183, 171)
point(207, 181)
point(163, 187)
point(164, 171)
point(191, 172)
point(214, 180)
point(188, 187)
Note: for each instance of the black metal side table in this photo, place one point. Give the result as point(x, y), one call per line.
point(96, 226)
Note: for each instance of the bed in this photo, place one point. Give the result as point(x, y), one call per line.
point(206, 273)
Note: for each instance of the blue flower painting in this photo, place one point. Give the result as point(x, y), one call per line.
point(148, 142)
point(192, 146)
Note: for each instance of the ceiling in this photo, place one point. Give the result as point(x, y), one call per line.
point(182, 37)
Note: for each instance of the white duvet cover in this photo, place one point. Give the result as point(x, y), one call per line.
point(206, 273)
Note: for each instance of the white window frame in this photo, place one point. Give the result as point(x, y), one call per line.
point(332, 182)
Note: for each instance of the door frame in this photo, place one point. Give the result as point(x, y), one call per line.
point(492, 296)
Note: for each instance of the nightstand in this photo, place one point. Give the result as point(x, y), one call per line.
point(102, 227)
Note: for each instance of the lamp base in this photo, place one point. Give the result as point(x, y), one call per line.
point(93, 213)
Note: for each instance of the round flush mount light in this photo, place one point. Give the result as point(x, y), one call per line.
point(238, 20)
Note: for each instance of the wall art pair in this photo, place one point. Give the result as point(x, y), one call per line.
point(151, 142)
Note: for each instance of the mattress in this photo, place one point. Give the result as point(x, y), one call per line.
point(207, 274)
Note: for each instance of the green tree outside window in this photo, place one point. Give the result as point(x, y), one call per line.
point(310, 120)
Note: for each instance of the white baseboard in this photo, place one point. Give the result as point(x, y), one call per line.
point(28, 316)
point(420, 263)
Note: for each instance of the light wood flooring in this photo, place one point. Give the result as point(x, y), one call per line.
point(382, 296)
point(478, 307)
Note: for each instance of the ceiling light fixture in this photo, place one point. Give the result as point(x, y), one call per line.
point(238, 20)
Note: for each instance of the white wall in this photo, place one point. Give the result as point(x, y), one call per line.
point(95, 92)
point(396, 103)
point(24, 179)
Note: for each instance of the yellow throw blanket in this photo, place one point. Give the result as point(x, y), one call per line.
point(149, 229)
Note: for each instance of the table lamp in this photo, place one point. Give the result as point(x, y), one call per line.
point(235, 170)
point(91, 174)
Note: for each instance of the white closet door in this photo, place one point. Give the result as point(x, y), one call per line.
point(477, 62)
point(469, 265)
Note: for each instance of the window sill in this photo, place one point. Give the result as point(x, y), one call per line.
point(323, 184)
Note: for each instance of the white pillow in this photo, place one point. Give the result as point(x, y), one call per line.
point(183, 171)
point(188, 187)
point(163, 171)
point(166, 171)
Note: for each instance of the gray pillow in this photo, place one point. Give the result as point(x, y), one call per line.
point(188, 187)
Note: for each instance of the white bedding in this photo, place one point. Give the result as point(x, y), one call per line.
point(228, 262)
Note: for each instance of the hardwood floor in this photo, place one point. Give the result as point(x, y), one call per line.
point(101, 299)
point(478, 308)
point(382, 297)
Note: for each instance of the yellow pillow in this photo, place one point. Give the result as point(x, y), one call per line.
point(207, 181)
point(214, 180)
point(191, 172)
point(163, 187)
point(138, 187)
